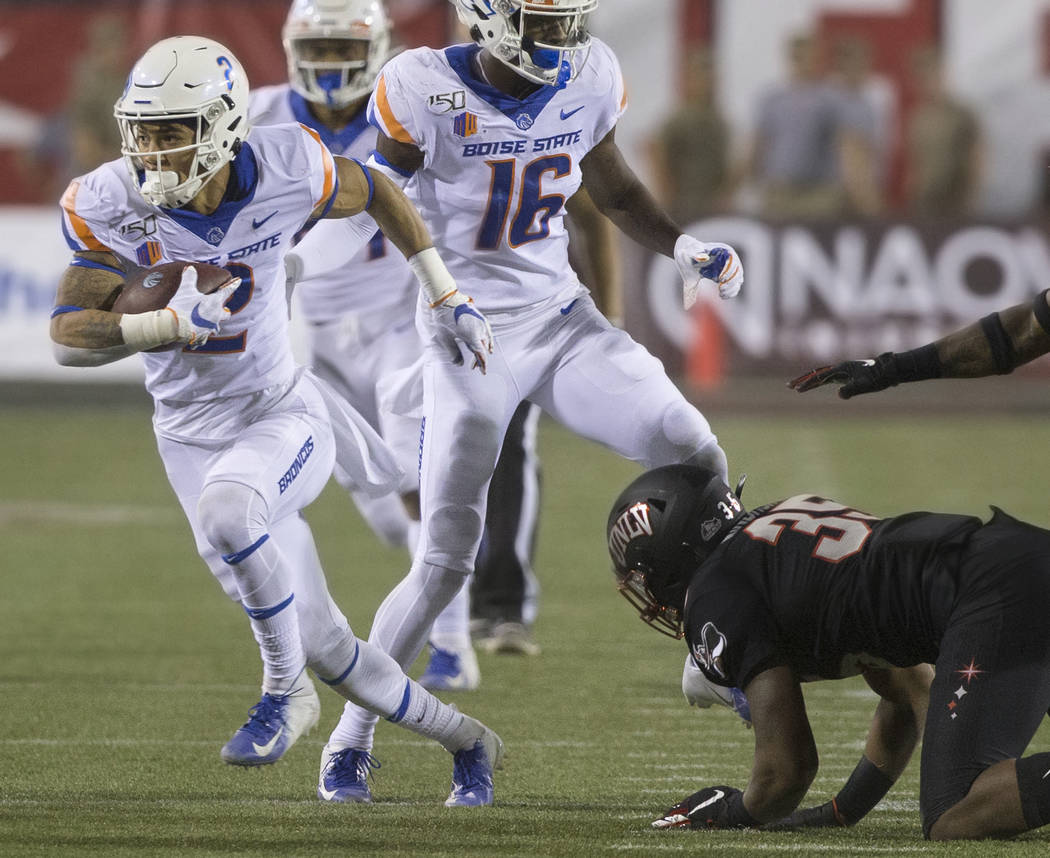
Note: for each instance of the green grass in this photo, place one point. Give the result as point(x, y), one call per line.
point(123, 668)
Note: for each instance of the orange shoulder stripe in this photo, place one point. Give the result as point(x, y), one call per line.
point(397, 131)
point(80, 227)
point(329, 167)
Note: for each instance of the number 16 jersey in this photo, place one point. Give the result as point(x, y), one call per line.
point(497, 170)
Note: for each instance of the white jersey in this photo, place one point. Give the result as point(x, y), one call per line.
point(378, 276)
point(497, 171)
point(277, 180)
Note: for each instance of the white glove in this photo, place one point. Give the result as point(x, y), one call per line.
point(715, 262)
point(459, 321)
point(199, 316)
point(702, 692)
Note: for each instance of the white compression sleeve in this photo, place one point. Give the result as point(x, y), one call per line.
point(333, 243)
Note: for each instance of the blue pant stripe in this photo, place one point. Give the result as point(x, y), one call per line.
point(345, 673)
point(266, 613)
point(238, 556)
point(403, 708)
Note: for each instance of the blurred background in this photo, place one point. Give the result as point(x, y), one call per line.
point(882, 165)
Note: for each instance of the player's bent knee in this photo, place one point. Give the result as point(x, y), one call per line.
point(231, 515)
point(687, 439)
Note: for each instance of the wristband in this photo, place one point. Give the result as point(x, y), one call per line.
point(999, 342)
point(1042, 311)
point(433, 276)
point(736, 814)
point(864, 789)
point(143, 331)
point(917, 365)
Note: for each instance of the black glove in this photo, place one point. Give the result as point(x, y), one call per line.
point(855, 376)
point(709, 808)
point(823, 816)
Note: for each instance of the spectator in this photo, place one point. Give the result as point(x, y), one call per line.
point(944, 151)
point(867, 123)
point(690, 153)
point(81, 135)
point(804, 138)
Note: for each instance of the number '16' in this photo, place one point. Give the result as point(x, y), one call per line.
point(530, 221)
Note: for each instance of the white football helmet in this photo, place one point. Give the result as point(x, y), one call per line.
point(545, 41)
point(194, 81)
point(335, 83)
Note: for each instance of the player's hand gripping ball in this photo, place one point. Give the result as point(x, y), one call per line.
point(153, 288)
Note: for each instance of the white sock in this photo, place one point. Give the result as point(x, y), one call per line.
point(279, 645)
point(426, 715)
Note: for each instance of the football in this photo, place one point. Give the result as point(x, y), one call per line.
point(152, 288)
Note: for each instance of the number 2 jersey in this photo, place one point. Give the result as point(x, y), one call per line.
point(278, 178)
point(826, 589)
point(497, 170)
point(378, 277)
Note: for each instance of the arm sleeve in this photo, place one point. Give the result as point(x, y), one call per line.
point(331, 244)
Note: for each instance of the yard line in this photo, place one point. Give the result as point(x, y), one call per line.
point(61, 512)
point(745, 846)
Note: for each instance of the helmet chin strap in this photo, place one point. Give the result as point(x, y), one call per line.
point(740, 486)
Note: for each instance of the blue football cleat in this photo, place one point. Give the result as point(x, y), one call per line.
point(451, 670)
point(472, 772)
point(344, 776)
point(275, 722)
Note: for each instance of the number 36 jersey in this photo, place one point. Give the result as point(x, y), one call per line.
point(497, 170)
point(825, 589)
point(277, 179)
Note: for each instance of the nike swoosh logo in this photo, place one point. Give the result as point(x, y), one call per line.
point(327, 794)
point(568, 309)
point(200, 321)
point(1047, 775)
point(257, 223)
point(718, 796)
point(565, 115)
point(263, 750)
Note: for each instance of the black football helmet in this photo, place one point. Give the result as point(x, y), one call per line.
point(661, 528)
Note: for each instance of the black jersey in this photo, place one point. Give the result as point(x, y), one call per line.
point(826, 589)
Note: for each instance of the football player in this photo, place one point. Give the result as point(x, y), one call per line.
point(359, 336)
point(808, 588)
point(490, 139)
point(995, 345)
point(247, 439)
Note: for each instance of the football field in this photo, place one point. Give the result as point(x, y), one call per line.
point(123, 668)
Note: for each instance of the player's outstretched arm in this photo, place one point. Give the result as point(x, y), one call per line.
point(996, 344)
point(892, 738)
point(363, 189)
point(621, 196)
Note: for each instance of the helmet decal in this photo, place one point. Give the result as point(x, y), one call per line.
point(661, 529)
